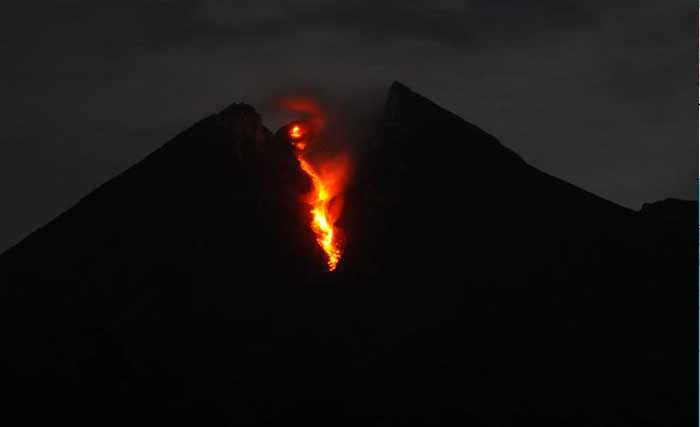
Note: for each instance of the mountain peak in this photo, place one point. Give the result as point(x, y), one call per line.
point(191, 288)
point(409, 112)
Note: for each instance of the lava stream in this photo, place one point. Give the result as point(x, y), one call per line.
point(322, 222)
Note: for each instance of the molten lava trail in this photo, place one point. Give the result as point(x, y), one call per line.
point(321, 223)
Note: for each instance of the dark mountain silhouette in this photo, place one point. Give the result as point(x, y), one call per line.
point(674, 210)
point(475, 289)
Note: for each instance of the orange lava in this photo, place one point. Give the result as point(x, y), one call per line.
point(296, 132)
point(321, 223)
point(320, 199)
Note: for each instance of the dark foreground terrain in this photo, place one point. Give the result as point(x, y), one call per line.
point(475, 290)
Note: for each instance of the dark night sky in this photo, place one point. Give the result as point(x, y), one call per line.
point(600, 95)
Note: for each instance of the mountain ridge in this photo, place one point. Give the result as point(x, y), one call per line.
point(474, 289)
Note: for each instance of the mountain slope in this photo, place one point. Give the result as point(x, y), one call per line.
point(474, 289)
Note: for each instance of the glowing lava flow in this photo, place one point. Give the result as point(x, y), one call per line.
point(319, 200)
point(321, 223)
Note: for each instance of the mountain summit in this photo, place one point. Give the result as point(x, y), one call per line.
point(474, 289)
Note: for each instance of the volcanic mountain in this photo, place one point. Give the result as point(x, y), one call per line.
point(474, 289)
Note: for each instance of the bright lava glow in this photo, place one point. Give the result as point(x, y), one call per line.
point(295, 132)
point(319, 200)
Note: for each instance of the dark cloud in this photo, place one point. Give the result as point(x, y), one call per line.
point(596, 93)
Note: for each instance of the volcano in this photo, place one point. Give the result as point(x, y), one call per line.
point(473, 289)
